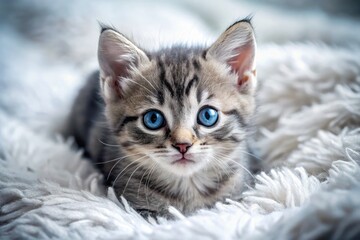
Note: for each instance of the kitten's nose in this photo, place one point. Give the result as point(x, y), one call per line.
point(182, 147)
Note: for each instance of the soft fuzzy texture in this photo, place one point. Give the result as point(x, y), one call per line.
point(308, 135)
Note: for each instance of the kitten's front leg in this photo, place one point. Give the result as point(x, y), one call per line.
point(146, 214)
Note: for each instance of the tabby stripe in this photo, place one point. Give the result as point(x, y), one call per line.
point(193, 81)
point(203, 55)
point(237, 115)
point(163, 79)
point(209, 191)
point(160, 146)
point(167, 133)
point(127, 144)
point(196, 64)
point(220, 134)
point(234, 139)
point(126, 120)
point(168, 86)
point(161, 69)
point(187, 64)
point(153, 185)
point(199, 94)
point(160, 97)
point(180, 93)
point(142, 137)
point(196, 131)
point(210, 96)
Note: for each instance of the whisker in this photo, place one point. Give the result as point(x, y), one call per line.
point(148, 181)
point(127, 183)
point(197, 152)
point(162, 151)
point(117, 159)
point(160, 155)
point(156, 155)
point(130, 80)
point(218, 164)
point(242, 151)
point(223, 166)
point(132, 162)
point(106, 144)
point(142, 76)
point(204, 148)
point(242, 166)
point(168, 154)
point(140, 184)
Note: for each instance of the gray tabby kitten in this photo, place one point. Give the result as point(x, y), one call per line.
point(169, 128)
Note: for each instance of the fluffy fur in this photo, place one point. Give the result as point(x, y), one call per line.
point(309, 137)
point(142, 164)
point(49, 190)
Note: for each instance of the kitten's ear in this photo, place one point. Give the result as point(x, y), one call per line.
point(117, 55)
point(236, 47)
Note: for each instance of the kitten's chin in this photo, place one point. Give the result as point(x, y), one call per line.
point(182, 165)
point(181, 169)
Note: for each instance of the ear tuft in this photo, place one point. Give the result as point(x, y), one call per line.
point(104, 27)
point(237, 48)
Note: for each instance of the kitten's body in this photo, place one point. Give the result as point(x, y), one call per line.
point(178, 82)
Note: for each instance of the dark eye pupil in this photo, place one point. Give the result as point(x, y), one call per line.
point(207, 115)
point(153, 118)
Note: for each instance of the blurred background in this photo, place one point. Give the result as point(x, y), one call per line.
point(48, 47)
point(70, 29)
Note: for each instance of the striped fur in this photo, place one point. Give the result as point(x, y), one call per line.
point(178, 81)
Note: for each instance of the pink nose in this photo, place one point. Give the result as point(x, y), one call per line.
point(182, 147)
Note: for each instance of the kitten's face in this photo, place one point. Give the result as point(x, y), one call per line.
point(180, 110)
point(183, 118)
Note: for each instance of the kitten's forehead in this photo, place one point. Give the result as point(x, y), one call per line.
point(178, 54)
point(176, 66)
point(178, 81)
point(179, 70)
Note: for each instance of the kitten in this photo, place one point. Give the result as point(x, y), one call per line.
point(170, 127)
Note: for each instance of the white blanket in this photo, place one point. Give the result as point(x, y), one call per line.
point(308, 133)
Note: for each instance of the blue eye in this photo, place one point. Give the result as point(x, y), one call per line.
point(208, 116)
point(153, 120)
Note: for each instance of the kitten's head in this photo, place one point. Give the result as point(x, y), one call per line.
point(180, 109)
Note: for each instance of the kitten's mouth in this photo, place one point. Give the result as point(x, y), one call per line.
point(183, 161)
